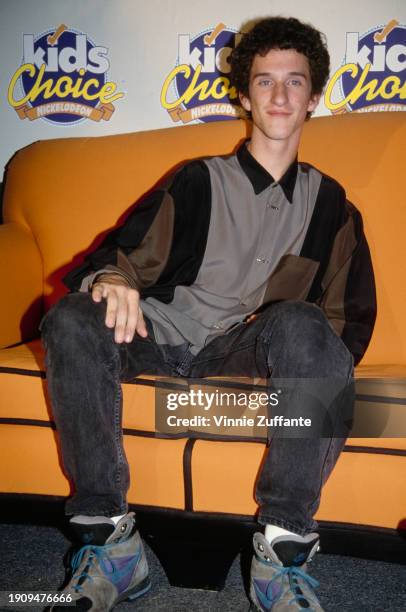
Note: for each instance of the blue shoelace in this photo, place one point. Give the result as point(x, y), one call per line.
point(293, 573)
point(96, 552)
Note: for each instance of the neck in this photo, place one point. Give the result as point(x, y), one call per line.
point(274, 155)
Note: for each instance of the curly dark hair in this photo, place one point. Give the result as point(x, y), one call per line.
point(280, 33)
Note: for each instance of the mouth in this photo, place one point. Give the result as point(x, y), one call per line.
point(278, 113)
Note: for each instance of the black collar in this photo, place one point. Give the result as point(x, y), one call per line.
point(261, 179)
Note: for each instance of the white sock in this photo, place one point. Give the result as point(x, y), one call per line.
point(273, 531)
point(115, 519)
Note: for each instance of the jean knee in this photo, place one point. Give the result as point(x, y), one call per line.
point(309, 338)
point(75, 313)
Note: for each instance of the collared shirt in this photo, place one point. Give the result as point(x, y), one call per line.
point(220, 238)
point(254, 221)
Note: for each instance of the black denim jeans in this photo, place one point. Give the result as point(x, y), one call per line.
point(287, 340)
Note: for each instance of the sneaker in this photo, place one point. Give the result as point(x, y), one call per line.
point(279, 581)
point(110, 567)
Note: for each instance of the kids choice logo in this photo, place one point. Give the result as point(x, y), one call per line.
point(198, 88)
point(372, 77)
point(63, 79)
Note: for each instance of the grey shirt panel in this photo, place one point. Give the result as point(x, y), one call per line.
point(248, 235)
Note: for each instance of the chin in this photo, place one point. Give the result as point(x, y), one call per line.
point(277, 134)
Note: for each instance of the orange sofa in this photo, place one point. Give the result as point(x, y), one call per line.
point(60, 194)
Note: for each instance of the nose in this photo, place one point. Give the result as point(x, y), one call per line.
point(279, 94)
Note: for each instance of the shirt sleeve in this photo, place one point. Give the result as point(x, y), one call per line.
point(349, 296)
point(143, 247)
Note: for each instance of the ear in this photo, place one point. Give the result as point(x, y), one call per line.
point(245, 102)
point(313, 102)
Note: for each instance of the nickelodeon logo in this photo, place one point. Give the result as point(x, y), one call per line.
point(370, 78)
point(63, 78)
point(198, 88)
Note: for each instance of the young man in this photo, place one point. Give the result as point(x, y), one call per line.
point(252, 264)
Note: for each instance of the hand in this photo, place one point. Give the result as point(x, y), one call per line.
point(123, 307)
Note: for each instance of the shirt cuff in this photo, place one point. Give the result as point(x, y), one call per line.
point(88, 281)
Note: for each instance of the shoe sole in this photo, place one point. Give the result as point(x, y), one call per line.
point(140, 589)
point(143, 587)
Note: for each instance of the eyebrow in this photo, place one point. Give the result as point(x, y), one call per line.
point(293, 73)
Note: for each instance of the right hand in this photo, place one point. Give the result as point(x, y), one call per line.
point(123, 307)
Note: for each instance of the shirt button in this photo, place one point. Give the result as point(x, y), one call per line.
point(259, 260)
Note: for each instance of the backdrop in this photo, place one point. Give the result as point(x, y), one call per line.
point(94, 67)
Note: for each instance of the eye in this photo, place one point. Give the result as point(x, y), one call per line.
point(264, 82)
point(295, 82)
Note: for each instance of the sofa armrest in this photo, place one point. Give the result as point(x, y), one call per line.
point(22, 285)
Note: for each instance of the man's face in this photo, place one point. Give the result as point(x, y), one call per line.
point(280, 94)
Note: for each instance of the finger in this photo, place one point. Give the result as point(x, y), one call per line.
point(132, 317)
point(121, 317)
point(111, 311)
point(97, 292)
point(141, 326)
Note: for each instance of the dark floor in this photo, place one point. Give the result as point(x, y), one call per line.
point(31, 559)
